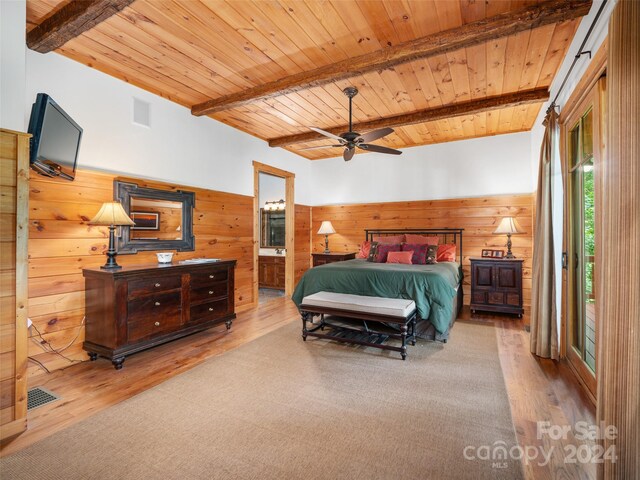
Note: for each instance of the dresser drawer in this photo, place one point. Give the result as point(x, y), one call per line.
point(210, 310)
point(215, 290)
point(154, 325)
point(154, 306)
point(144, 286)
point(209, 277)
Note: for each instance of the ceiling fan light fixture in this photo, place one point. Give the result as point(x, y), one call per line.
point(350, 140)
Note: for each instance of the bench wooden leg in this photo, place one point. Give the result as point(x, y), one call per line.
point(403, 333)
point(413, 329)
point(304, 316)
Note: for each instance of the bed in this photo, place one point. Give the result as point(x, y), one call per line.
point(436, 289)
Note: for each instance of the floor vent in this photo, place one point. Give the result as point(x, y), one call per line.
point(38, 397)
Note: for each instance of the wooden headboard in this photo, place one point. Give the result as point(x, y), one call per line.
point(446, 235)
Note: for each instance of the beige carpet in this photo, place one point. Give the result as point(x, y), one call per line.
point(281, 408)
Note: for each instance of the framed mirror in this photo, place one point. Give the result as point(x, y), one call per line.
point(272, 228)
point(163, 219)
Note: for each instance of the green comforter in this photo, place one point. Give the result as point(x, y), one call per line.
point(432, 287)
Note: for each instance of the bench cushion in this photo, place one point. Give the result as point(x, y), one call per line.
point(394, 307)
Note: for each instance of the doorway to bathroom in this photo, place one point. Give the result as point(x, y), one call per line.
point(273, 233)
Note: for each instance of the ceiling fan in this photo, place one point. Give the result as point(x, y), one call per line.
point(351, 140)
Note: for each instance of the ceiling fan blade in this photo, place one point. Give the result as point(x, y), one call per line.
point(320, 146)
point(348, 154)
point(327, 134)
point(379, 149)
point(376, 134)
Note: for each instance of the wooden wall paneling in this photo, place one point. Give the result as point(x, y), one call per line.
point(62, 243)
point(478, 216)
point(14, 210)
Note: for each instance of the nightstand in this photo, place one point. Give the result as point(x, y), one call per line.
point(322, 258)
point(496, 285)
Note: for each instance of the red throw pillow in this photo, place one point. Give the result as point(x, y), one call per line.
point(421, 239)
point(384, 249)
point(400, 257)
point(446, 253)
point(419, 252)
point(389, 239)
point(365, 248)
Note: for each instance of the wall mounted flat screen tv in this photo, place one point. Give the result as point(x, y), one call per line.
point(55, 139)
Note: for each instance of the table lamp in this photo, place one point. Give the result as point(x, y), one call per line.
point(510, 226)
point(326, 229)
point(111, 214)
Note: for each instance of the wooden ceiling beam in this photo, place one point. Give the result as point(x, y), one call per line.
point(472, 107)
point(71, 20)
point(509, 23)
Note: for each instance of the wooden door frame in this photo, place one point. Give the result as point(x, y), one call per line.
point(581, 96)
point(289, 225)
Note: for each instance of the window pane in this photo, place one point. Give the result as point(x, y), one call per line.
point(588, 262)
point(574, 146)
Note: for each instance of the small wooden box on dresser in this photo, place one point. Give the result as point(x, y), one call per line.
point(322, 258)
point(139, 307)
point(496, 285)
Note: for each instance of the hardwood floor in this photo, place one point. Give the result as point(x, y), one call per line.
point(541, 390)
point(538, 390)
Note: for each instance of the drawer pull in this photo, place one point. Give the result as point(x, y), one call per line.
point(157, 324)
point(211, 309)
point(210, 292)
point(157, 284)
point(157, 304)
point(212, 276)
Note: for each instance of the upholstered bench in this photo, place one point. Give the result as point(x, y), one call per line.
point(339, 311)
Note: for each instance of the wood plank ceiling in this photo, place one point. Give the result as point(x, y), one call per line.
point(193, 51)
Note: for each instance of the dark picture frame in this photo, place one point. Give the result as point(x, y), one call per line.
point(498, 254)
point(487, 253)
point(145, 220)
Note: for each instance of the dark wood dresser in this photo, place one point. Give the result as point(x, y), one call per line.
point(322, 258)
point(271, 271)
point(139, 307)
point(496, 285)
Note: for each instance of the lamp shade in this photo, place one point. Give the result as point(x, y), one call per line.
point(326, 228)
point(111, 213)
point(508, 225)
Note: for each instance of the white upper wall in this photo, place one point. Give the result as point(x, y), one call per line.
point(177, 147)
point(13, 17)
point(466, 168)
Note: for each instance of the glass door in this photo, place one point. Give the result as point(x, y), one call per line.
point(583, 149)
